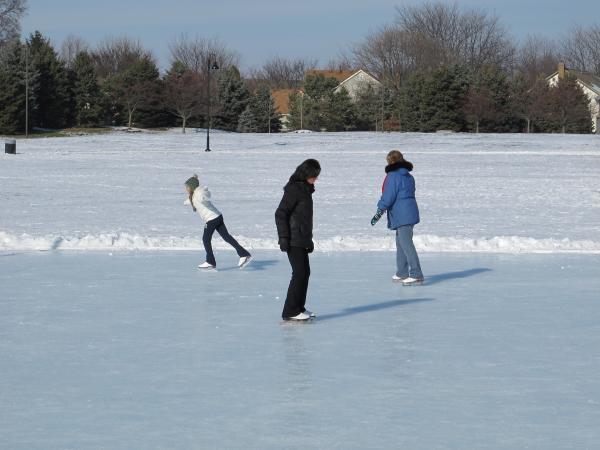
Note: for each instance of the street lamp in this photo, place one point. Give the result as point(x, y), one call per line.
point(212, 65)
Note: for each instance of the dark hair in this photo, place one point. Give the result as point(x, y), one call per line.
point(308, 169)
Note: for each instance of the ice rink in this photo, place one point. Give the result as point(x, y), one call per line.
point(139, 350)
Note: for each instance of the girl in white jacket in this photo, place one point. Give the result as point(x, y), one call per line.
point(199, 197)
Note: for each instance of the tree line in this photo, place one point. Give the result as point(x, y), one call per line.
point(441, 67)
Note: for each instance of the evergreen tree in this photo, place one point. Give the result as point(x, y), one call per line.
point(86, 91)
point(136, 93)
point(12, 94)
point(247, 122)
point(52, 93)
point(264, 111)
point(233, 99)
point(442, 100)
point(410, 97)
point(341, 113)
point(368, 102)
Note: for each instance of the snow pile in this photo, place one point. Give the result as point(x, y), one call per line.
point(424, 243)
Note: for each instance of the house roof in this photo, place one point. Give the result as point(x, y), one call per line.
point(588, 79)
point(282, 99)
point(339, 75)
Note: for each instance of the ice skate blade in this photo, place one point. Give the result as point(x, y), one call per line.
point(295, 321)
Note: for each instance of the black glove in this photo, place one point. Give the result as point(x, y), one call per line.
point(376, 217)
point(284, 245)
point(310, 248)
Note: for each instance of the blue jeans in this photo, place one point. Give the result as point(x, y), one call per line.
point(407, 259)
point(218, 225)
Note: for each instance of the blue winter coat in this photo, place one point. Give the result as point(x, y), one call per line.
point(398, 197)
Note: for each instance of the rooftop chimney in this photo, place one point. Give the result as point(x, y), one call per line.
point(562, 71)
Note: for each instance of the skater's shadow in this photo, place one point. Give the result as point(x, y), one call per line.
point(372, 307)
point(258, 265)
point(434, 279)
point(254, 266)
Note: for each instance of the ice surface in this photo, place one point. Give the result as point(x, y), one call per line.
point(139, 350)
point(501, 193)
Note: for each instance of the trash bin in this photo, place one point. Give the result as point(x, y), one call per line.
point(10, 147)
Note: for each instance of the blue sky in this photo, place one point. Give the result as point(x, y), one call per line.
point(260, 29)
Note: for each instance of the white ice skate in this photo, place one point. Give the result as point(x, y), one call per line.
point(206, 266)
point(311, 314)
point(411, 281)
point(398, 279)
point(302, 317)
point(244, 261)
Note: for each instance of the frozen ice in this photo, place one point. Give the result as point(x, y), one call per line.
point(110, 338)
point(140, 350)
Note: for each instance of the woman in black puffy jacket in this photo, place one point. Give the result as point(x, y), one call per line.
point(294, 220)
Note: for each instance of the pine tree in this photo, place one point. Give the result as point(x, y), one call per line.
point(12, 94)
point(233, 99)
point(87, 95)
point(136, 93)
point(262, 106)
point(367, 109)
point(247, 122)
point(341, 113)
point(410, 98)
point(52, 92)
point(443, 97)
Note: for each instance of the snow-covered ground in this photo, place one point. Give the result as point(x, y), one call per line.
point(137, 350)
point(491, 193)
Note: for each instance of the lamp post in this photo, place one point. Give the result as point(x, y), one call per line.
point(212, 65)
point(26, 90)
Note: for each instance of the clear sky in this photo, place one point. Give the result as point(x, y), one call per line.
point(260, 29)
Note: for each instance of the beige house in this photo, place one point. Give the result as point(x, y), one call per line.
point(589, 83)
point(353, 81)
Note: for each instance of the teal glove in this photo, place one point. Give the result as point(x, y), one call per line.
point(376, 217)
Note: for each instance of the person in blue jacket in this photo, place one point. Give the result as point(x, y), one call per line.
point(398, 199)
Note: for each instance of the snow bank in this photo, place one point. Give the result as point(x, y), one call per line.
point(424, 243)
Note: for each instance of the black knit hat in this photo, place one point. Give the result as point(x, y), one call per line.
point(308, 169)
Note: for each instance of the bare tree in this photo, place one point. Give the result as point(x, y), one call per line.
point(427, 36)
point(537, 57)
point(196, 53)
point(581, 50)
point(280, 73)
point(115, 55)
point(479, 105)
point(454, 36)
point(389, 54)
point(71, 47)
point(11, 12)
point(183, 95)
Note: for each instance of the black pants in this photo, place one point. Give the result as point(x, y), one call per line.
point(218, 225)
point(296, 296)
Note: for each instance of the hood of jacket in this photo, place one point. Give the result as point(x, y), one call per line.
point(399, 165)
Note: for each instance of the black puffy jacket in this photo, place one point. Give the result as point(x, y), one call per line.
point(294, 216)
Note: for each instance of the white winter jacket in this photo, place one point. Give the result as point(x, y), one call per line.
point(203, 205)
